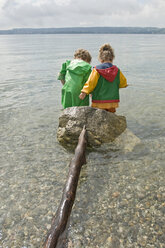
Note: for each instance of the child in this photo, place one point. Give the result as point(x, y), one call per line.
point(105, 81)
point(73, 74)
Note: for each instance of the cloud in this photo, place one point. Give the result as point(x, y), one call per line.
point(69, 13)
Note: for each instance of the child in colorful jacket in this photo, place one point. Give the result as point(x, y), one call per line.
point(104, 82)
point(73, 74)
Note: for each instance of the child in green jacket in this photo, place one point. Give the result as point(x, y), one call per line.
point(73, 75)
point(105, 81)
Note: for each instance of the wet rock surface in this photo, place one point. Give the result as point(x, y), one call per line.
point(102, 126)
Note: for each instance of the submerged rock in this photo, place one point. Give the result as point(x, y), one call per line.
point(126, 141)
point(102, 126)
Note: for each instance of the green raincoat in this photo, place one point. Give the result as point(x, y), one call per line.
point(75, 73)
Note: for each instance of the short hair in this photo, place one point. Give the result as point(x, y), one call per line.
point(106, 53)
point(83, 54)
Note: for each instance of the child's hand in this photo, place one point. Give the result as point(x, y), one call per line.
point(82, 95)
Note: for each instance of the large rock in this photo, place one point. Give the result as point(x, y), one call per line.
point(102, 126)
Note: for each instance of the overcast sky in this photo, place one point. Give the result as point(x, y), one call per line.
point(81, 13)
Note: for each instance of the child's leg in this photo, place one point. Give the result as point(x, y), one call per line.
point(112, 110)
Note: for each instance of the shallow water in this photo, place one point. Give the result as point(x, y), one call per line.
point(120, 199)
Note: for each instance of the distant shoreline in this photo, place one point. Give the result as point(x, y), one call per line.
point(86, 30)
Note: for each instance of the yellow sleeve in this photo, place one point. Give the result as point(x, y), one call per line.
point(123, 81)
point(91, 82)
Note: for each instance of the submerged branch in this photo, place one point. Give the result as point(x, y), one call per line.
point(60, 220)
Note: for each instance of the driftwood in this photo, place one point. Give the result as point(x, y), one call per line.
point(60, 220)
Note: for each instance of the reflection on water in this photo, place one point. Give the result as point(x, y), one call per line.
point(120, 197)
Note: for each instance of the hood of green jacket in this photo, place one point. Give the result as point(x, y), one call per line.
point(78, 66)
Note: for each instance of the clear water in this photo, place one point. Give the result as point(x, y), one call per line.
point(120, 199)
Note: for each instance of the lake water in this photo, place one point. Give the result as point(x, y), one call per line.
point(120, 200)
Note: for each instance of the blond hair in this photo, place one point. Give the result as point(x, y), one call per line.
point(106, 53)
point(83, 54)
